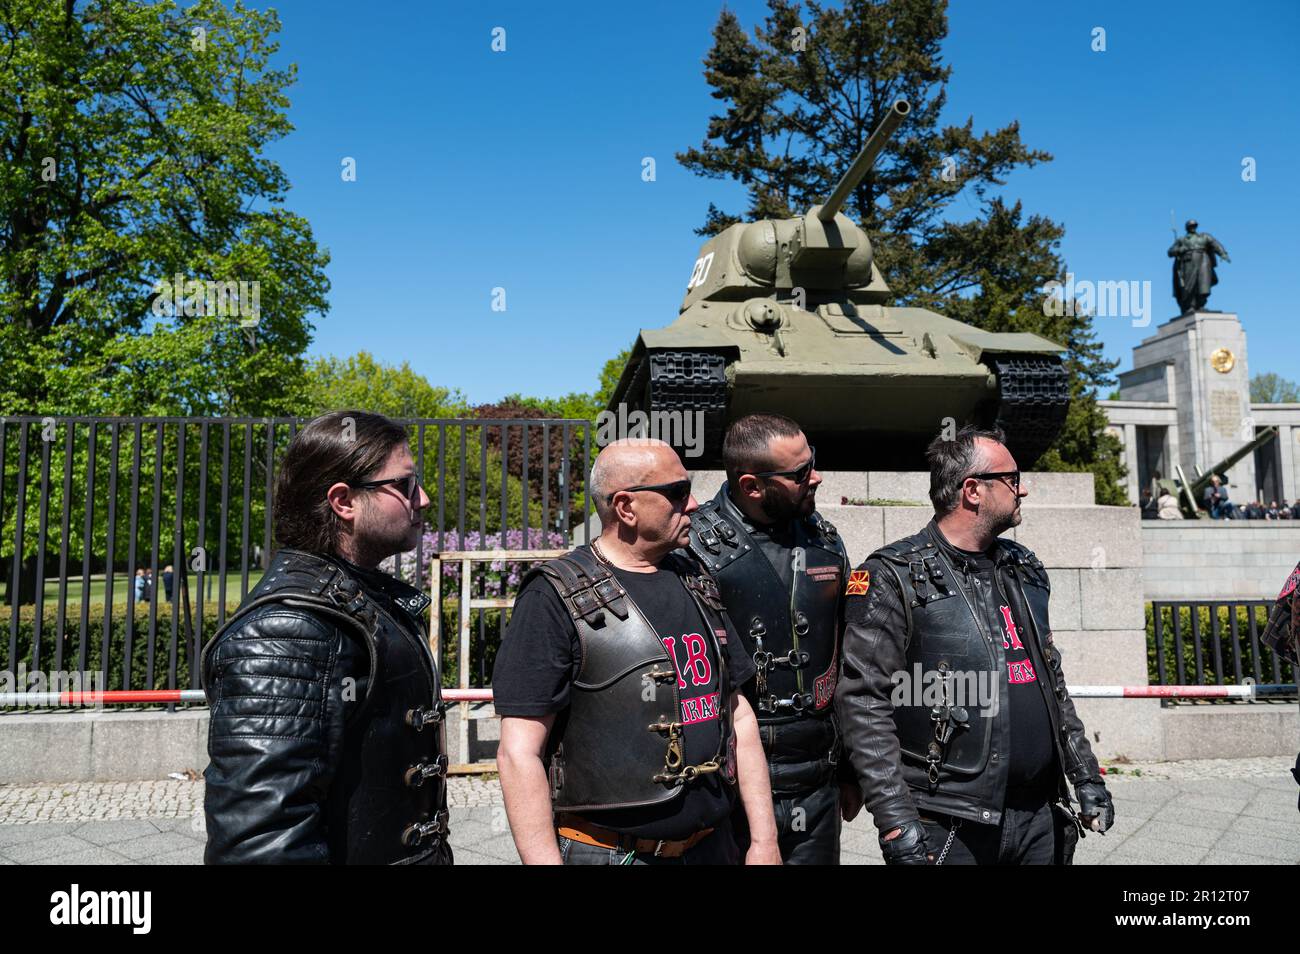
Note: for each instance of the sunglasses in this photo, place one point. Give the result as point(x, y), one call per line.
point(1013, 475)
point(409, 484)
point(799, 475)
point(679, 491)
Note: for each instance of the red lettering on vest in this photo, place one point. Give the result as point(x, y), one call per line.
point(1021, 672)
point(670, 644)
point(697, 659)
point(709, 705)
point(700, 709)
point(1010, 631)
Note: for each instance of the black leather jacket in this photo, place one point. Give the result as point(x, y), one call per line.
point(876, 646)
point(326, 736)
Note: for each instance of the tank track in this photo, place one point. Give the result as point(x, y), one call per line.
point(1034, 395)
point(691, 381)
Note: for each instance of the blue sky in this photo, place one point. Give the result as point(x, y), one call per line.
point(522, 169)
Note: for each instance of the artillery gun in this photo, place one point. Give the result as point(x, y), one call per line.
point(790, 316)
point(1188, 492)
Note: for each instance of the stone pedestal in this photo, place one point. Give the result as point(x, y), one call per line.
point(1208, 382)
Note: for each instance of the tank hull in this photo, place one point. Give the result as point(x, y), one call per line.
point(870, 385)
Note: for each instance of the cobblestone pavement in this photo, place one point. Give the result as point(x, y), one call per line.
point(1214, 811)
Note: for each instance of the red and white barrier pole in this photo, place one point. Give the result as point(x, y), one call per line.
point(1248, 691)
point(196, 696)
point(120, 697)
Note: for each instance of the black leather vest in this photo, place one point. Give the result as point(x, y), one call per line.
point(619, 744)
point(793, 633)
point(949, 639)
point(389, 791)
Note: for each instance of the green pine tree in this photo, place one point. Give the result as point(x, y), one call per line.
point(800, 98)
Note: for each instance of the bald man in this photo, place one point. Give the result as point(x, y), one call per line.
point(624, 736)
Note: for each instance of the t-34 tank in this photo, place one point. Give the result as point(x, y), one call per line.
point(790, 316)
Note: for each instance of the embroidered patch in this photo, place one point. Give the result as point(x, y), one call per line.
point(824, 574)
point(722, 636)
point(859, 582)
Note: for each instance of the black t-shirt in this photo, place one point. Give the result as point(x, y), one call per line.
point(539, 659)
point(1032, 753)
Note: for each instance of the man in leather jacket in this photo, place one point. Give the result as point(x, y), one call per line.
point(624, 738)
point(1282, 634)
point(326, 736)
point(782, 569)
point(952, 702)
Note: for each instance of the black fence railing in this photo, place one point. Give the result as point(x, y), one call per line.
point(1212, 643)
point(125, 542)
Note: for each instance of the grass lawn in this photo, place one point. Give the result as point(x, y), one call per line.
point(124, 586)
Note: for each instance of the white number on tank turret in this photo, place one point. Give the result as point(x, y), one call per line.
point(700, 272)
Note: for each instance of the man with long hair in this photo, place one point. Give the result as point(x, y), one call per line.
point(326, 733)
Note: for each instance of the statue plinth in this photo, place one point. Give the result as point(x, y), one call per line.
point(1197, 362)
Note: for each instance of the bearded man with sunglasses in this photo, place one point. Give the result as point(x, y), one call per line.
point(782, 571)
point(624, 736)
point(952, 700)
point(326, 737)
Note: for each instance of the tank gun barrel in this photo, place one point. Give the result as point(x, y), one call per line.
point(865, 159)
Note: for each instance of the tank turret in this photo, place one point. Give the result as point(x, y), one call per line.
point(790, 315)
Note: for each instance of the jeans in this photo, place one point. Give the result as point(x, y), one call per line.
point(719, 848)
point(807, 826)
point(1043, 835)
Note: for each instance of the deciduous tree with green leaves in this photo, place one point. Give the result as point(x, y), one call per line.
point(1270, 388)
point(363, 382)
point(132, 136)
point(800, 97)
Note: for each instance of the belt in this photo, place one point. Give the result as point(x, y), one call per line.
point(580, 830)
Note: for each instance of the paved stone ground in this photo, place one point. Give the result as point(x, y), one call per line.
point(1220, 811)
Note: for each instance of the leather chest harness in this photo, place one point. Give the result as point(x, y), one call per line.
point(625, 709)
point(792, 632)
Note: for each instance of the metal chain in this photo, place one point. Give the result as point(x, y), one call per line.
point(952, 833)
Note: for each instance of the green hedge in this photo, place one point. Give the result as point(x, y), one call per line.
point(484, 651)
point(140, 678)
point(1211, 672)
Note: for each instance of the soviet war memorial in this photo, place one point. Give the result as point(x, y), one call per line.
point(764, 433)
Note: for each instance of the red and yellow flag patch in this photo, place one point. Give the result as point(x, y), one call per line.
point(859, 583)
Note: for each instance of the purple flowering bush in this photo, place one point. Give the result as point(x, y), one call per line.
point(499, 578)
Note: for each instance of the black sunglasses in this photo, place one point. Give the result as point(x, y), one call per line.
point(679, 491)
point(1013, 474)
point(409, 484)
point(800, 474)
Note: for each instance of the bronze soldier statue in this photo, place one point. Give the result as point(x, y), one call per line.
point(1194, 261)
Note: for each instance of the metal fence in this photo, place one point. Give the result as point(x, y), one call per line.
point(1213, 643)
point(87, 502)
